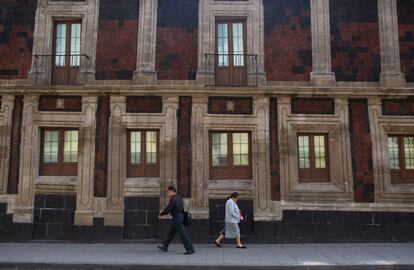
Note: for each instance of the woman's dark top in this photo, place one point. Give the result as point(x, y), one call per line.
point(175, 206)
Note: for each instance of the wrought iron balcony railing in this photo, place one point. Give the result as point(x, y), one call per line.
point(59, 69)
point(231, 69)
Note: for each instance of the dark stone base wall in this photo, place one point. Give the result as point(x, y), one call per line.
point(316, 227)
point(296, 227)
point(53, 221)
point(335, 226)
point(54, 217)
point(13, 232)
point(141, 218)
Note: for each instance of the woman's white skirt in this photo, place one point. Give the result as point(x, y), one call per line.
point(232, 230)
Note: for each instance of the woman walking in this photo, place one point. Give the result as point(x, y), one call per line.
point(233, 217)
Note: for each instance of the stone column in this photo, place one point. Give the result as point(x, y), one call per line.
point(147, 36)
point(199, 183)
point(84, 208)
point(263, 202)
point(114, 213)
point(169, 176)
point(321, 44)
point(391, 75)
point(23, 212)
point(5, 126)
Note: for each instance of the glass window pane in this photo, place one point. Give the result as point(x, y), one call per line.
point(135, 146)
point(319, 145)
point(70, 148)
point(75, 45)
point(219, 149)
point(222, 44)
point(393, 153)
point(409, 152)
point(50, 146)
point(303, 147)
point(240, 149)
point(238, 44)
point(151, 147)
point(60, 45)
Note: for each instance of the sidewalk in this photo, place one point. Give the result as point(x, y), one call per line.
point(146, 256)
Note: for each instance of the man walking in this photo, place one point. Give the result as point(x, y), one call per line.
point(176, 209)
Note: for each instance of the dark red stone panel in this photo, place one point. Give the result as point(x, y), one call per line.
point(116, 52)
point(16, 38)
point(274, 150)
point(361, 150)
point(230, 105)
point(287, 41)
point(406, 35)
point(103, 113)
point(15, 139)
point(355, 47)
point(60, 103)
point(313, 105)
point(184, 153)
point(177, 39)
point(144, 104)
point(403, 107)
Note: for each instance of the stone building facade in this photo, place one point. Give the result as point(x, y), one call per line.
point(305, 107)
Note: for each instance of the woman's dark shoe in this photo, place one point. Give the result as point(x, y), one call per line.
point(189, 252)
point(162, 248)
point(242, 247)
point(217, 244)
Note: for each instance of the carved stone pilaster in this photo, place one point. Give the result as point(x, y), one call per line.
point(6, 109)
point(321, 44)
point(23, 212)
point(84, 208)
point(114, 213)
point(391, 75)
point(147, 34)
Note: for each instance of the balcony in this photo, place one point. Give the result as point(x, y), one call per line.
point(59, 69)
point(231, 69)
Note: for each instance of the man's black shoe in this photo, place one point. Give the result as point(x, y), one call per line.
point(189, 252)
point(162, 248)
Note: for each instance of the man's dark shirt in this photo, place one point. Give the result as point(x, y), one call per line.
point(175, 206)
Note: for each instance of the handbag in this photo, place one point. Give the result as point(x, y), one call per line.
point(187, 219)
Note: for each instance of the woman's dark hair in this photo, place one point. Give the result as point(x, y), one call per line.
point(233, 195)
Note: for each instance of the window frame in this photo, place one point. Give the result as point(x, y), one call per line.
point(59, 168)
point(401, 175)
point(69, 70)
point(313, 174)
point(230, 41)
point(143, 169)
point(68, 42)
point(230, 171)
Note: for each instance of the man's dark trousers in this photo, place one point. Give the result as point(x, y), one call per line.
point(178, 227)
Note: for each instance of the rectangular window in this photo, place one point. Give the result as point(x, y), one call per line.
point(313, 158)
point(143, 153)
point(230, 155)
point(66, 55)
point(59, 152)
point(231, 58)
point(230, 42)
point(401, 158)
